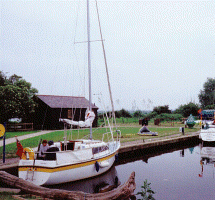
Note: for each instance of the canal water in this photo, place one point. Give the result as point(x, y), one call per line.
point(180, 173)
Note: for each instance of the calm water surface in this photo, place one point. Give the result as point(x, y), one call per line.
point(181, 174)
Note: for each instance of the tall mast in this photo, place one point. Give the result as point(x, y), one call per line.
point(106, 67)
point(89, 62)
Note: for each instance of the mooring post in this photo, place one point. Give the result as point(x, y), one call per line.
point(2, 135)
point(4, 142)
point(182, 130)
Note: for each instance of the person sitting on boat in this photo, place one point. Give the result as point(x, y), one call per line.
point(52, 148)
point(43, 148)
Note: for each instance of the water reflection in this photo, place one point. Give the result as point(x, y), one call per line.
point(102, 183)
point(176, 172)
point(172, 172)
point(207, 152)
point(146, 154)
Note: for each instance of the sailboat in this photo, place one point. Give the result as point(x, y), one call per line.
point(76, 159)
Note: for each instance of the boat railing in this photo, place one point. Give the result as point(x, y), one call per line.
point(118, 135)
point(106, 135)
point(110, 136)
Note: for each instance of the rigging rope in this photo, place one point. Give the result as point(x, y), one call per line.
point(108, 79)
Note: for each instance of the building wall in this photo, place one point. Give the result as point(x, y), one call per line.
point(46, 118)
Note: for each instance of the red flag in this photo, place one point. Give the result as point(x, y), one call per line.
point(19, 148)
point(200, 112)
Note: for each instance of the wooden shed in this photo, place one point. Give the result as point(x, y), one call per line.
point(51, 107)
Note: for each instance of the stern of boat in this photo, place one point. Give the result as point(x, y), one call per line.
point(29, 172)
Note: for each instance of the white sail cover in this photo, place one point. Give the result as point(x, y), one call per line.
point(90, 116)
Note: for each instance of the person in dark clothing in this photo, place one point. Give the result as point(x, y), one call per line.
point(52, 148)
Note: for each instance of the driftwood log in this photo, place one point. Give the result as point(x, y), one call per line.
point(124, 191)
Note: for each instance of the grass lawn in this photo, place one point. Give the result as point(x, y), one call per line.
point(9, 196)
point(12, 134)
point(6, 195)
point(129, 133)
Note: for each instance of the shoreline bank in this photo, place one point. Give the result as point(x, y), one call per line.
point(153, 143)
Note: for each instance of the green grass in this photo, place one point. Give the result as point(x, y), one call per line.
point(129, 133)
point(12, 134)
point(55, 136)
point(7, 195)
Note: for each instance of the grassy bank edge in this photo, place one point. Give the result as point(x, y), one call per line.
point(129, 133)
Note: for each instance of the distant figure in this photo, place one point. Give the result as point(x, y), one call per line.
point(145, 122)
point(43, 148)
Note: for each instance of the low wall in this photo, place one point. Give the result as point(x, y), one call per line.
point(160, 143)
point(20, 127)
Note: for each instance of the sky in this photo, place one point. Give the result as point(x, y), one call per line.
point(158, 52)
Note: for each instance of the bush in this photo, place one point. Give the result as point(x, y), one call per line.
point(188, 109)
point(169, 117)
point(138, 114)
point(122, 113)
point(151, 115)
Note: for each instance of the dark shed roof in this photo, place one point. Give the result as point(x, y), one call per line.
point(65, 101)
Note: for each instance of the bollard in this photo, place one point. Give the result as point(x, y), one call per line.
point(182, 130)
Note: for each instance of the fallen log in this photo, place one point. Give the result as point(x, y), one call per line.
point(124, 191)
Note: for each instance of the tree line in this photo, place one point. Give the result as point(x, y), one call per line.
point(17, 101)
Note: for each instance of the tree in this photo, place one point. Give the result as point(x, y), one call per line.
point(207, 95)
point(138, 114)
point(162, 109)
point(2, 78)
point(122, 113)
point(16, 98)
point(187, 109)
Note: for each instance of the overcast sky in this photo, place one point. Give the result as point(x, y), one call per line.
point(158, 52)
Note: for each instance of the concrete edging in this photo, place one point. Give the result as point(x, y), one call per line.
point(133, 147)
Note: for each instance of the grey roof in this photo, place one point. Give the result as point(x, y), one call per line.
point(65, 101)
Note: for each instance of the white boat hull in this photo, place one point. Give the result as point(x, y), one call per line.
point(207, 135)
point(62, 174)
point(44, 172)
